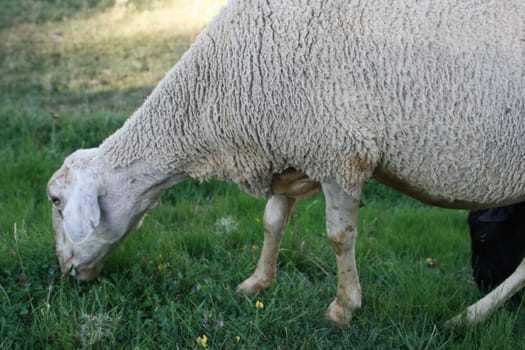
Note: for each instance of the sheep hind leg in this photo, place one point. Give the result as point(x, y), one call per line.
point(341, 224)
point(276, 217)
point(479, 311)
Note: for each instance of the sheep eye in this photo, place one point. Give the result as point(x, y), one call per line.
point(56, 201)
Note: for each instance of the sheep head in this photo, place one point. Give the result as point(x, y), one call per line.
point(95, 206)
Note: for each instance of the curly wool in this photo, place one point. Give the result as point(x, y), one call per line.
point(426, 95)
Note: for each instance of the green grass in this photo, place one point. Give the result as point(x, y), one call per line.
point(174, 279)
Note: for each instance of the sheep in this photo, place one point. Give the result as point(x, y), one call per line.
point(497, 243)
point(287, 98)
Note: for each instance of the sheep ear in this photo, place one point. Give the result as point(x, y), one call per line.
point(82, 211)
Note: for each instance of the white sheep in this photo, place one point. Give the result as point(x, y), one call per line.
point(288, 97)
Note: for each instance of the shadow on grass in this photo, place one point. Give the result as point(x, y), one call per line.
point(38, 102)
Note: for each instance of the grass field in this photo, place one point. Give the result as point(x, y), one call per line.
point(71, 72)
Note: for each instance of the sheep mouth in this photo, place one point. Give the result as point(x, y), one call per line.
point(71, 271)
point(81, 273)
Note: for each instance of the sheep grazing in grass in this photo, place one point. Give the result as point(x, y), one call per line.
point(286, 98)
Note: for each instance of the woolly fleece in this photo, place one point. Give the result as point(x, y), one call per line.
point(429, 96)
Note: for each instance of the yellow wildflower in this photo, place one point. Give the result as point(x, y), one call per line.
point(258, 219)
point(431, 262)
point(202, 340)
point(254, 247)
point(238, 338)
point(162, 266)
point(259, 304)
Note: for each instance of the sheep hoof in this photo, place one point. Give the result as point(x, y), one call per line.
point(458, 321)
point(338, 315)
point(454, 322)
point(466, 318)
point(253, 285)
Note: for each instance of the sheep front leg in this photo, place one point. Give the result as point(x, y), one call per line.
point(341, 225)
point(276, 217)
point(479, 311)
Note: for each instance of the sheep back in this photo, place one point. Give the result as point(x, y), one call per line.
point(424, 93)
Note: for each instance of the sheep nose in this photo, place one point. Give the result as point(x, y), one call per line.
point(65, 258)
point(65, 266)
